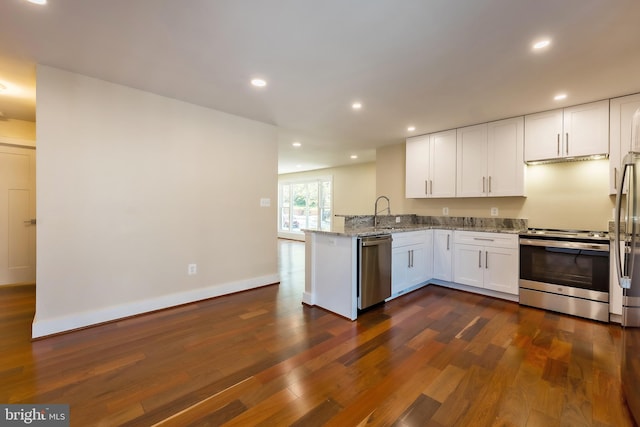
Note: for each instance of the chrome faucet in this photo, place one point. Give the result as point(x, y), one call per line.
point(376, 212)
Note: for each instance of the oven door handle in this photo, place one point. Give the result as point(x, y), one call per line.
point(623, 280)
point(565, 245)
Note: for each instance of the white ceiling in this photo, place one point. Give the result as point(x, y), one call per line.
point(436, 64)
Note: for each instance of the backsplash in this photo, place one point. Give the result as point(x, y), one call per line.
point(359, 221)
point(475, 222)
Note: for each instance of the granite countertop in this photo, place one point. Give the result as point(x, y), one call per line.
point(370, 231)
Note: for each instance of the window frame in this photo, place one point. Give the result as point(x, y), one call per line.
point(320, 208)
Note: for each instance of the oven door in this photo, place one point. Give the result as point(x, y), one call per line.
point(579, 265)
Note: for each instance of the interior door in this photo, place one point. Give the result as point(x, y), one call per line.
point(17, 210)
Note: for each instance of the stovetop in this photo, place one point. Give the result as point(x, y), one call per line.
point(566, 234)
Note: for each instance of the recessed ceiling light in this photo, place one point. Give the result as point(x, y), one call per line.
point(37, 1)
point(356, 105)
point(258, 82)
point(541, 44)
point(411, 128)
point(560, 96)
point(354, 156)
point(296, 144)
point(298, 166)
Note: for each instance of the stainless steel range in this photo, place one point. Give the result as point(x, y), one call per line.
point(566, 271)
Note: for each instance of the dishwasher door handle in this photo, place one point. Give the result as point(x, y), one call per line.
point(375, 241)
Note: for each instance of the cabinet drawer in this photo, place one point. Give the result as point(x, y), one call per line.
point(500, 240)
point(408, 238)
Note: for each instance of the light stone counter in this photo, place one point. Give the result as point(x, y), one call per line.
point(362, 225)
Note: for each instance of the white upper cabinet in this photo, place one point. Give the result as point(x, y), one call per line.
point(621, 113)
point(586, 129)
point(577, 131)
point(506, 157)
point(431, 165)
point(472, 161)
point(490, 159)
point(417, 165)
point(542, 136)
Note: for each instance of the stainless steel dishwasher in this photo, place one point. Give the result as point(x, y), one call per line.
point(374, 270)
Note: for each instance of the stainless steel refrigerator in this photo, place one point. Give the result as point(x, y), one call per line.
point(627, 231)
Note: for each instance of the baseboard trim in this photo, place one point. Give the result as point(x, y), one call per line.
point(473, 289)
point(307, 298)
point(46, 327)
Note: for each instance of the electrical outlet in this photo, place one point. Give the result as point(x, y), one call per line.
point(494, 211)
point(192, 269)
point(265, 202)
point(397, 220)
point(445, 211)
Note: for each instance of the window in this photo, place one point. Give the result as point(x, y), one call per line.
point(305, 204)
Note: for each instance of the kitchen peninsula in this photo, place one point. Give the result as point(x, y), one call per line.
point(424, 248)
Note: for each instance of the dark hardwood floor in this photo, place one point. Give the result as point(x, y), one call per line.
point(434, 357)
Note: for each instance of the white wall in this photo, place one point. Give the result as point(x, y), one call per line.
point(131, 188)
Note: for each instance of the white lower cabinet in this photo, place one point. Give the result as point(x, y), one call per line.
point(487, 260)
point(468, 269)
point(411, 259)
point(483, 260)
point(442, 254)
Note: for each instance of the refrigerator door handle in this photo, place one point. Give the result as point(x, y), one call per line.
point(623, 280)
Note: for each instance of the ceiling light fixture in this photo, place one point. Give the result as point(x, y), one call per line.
point(411, 128)
point(354, 156)
point(258, 82)
point(40, 2)
point(541, 44)
point(560, 96)
point(356, 105)
point(296, 144)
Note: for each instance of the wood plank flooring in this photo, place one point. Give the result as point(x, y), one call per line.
point(434, 357)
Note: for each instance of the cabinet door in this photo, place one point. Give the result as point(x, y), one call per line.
point(428, 254)
point(471, 172)
point(417, 166)
point(542, 136)
point(505, 157)
point(469, 262)
point(399, 269)
point(418, 271)
point(620, 115)
point(443, 164)
point(501, 269)
point(442, 254)
point(586, 129)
